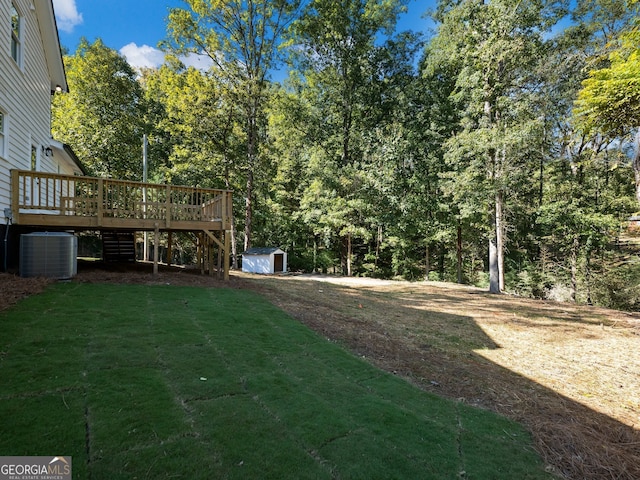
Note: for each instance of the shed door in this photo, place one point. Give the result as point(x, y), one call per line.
point(278, 262)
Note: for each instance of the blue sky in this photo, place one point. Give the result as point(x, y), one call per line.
point(134, 27)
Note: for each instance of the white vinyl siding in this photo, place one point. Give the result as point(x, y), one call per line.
point(26, 100)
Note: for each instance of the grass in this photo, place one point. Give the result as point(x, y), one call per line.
point(157, 382)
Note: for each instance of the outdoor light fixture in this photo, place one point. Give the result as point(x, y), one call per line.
point(48, 152)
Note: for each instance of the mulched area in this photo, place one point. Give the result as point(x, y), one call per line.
point(14, 288)
point(595, 438)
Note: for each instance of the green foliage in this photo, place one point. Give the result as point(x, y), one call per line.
point(369, 162)
point(532, 281)
point(103, 115)
point(610, 99)
point(200, 126)
point(342, 106)
point(242, 39)
point(619, 286)
point(608, 102)
point(492, 49)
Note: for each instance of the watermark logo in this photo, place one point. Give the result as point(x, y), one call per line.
point(35, 468)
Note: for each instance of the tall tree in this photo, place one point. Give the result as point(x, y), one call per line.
point(202, 125)
point(494, 46)
point(103, 116)
point(340, 62)
point(241, 37)
point(201, 129)
point(609, 102)
point(434, 117)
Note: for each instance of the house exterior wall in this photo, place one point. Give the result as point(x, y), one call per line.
point(25, 95)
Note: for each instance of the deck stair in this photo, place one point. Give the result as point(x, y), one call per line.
point(118, 246)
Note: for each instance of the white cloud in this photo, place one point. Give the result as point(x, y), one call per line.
point(142, 56)
point(67, 15)
point(145, 56)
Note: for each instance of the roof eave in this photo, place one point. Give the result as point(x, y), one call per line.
point(51, 44)
point(68, 154)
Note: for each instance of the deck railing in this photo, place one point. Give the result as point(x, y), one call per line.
point(67, 200)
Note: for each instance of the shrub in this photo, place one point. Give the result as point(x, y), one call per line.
point(619, 287)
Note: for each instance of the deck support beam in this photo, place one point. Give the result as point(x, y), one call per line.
point(227, 256)
point(201, 253)
point(169, 247)
point(156, 245)
point(211, 263)
point(224, 248)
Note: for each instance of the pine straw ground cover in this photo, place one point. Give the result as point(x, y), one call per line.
point(569, 373)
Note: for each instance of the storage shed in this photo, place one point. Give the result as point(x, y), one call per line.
point(264, 260)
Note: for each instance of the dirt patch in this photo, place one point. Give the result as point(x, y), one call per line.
point(570, 374)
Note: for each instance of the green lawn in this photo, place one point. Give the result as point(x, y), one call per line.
point(170, 382)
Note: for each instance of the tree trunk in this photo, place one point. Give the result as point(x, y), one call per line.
point(574, 267)
point(500, 238)
point(378, 247)
point(349, 254)
point(636, 165)
point(234, 247)
point(494, 277)
point(427, 261)
point(441, 262)
point(495, 241)
point(248, 211)
point(459, 253)
point(541, 184)
point(315, 254)
point(252, 157)
point(587, 275)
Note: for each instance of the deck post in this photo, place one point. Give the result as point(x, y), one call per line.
point(227, 248)
point(100, 201)
point(169, 247)
point(156, 242)
point(224, 211)
point(202, 252)
point(211, 247)
point(168, 207)
point(219, 265)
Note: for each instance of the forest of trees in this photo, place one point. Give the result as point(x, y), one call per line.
point(501, 150)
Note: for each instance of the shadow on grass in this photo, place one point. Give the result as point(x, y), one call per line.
point(419, 340)
point(162, 381)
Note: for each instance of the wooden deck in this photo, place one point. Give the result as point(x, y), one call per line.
point(87, 203)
